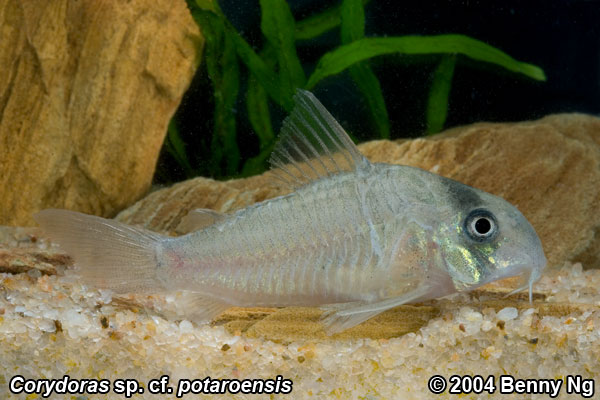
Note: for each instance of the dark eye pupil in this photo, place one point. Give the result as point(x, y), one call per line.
point(483, 226)
point(480, 225)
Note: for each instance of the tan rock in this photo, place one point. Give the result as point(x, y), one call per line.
point(16, 261)
point(163, 209)
point(86, 91)
point(549, 168)
point(27, 250)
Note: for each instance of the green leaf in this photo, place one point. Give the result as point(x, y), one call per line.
point(437, 105)
point(344, 56)
point(176, 147)
point(258, 112)
point(277, 25)
point(209, 5)
point(257, 164)
point(260, 118)
point(368, 84)
point(257, 103)
point(223, 70)
point(353, 21)
point(265, 75)
point(226, 94)
point(316, 25)
point(353, 28)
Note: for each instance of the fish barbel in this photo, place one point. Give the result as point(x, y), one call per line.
point(357, 236)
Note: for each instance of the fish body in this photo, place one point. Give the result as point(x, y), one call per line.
point(362, 236)
point(329, 242)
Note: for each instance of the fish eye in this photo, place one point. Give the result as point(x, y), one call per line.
point(481, 225)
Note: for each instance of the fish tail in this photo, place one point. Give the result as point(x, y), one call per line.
point(107, 253)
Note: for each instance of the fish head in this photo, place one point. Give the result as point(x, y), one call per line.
point(484, 238)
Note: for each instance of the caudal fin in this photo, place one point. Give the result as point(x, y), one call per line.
point(108, 254)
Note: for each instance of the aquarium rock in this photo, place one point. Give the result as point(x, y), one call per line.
point(87, 91)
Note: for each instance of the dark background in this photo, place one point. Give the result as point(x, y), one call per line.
point(561, 37)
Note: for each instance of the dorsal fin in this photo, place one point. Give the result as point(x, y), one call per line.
point(312, 145)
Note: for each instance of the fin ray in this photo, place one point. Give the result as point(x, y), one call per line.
point(313, 145)
point(108, 254)
point(198, 307)
point(345, 316)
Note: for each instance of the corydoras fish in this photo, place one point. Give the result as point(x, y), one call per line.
point(357, 236)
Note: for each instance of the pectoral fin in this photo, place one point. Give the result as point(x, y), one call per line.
point(338, 319)
point(342, 317)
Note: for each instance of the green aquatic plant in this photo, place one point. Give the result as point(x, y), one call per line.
point(276, 71)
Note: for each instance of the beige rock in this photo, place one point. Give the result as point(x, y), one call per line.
point(163, 209)
point(549, 169)
point(27, 250)
point(16, 261)
point(86, 91)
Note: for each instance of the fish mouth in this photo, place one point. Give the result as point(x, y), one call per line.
point(528, 273)
point(530, 270)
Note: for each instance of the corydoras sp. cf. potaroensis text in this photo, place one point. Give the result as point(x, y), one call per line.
point(357, 236)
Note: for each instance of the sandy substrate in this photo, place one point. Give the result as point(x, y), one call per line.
point(51, 326)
